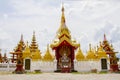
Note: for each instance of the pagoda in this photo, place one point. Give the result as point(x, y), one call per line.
point(17, 53)
point(3, 59)
point(91, 54)
point(64, 47)
point(111, 53)
point(79, 55)
point(26, 52)
point(48, 56)
point(101, 52)
point(17, 56)
point(34, 51)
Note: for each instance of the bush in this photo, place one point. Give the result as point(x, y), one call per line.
point(94, 70)
point(37, 71)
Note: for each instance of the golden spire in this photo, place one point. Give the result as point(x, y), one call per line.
point(21, 38)
point(63, 34)
point(79, 55)
point(63, 16)
point(21, 42)
point(63, 30)
point(48, 56)
point(33, 38)
point(21, 45)
point(105, 37)
point(33, 45)
point(35, 52)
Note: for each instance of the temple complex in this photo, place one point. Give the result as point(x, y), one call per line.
point(63, 55)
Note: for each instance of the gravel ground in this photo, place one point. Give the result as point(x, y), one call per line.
point(60, 76)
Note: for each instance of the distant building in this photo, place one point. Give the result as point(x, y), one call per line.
point(3, 59)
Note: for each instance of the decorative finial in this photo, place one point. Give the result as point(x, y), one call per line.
point(33, 32)
point(100, 44)
point(21, 37)
point(62, 7)
point(90, 47)
point(27, 43)
point(5, 53)
point(97, 47)
point(105, 37)
point(33, 39)
point(47, 46)
point(63, 16)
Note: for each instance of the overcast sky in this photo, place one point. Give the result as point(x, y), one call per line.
point(87, 20)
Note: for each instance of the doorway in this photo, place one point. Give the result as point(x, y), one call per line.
point(27, 64)
point(104, 64)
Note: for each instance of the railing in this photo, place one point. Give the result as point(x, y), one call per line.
point(7, 66)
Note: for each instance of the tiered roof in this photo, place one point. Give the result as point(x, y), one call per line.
point(63, 34)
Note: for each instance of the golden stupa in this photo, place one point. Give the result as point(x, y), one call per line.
point(26, 52)
point(32, 51)
point(101, 53)
point(48, 56)
point(79, 55)
point(91, 54)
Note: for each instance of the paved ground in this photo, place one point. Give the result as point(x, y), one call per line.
point(60, 76)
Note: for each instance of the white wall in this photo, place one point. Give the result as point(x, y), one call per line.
point(7, 66)
point(80, 66)
point(87, 66)
point(43, 66)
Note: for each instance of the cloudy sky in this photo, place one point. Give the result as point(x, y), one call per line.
point(87, 20)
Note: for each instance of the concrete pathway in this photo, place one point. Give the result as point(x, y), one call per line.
point(60, 76)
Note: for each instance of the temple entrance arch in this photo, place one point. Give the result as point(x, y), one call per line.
point(65, 54)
